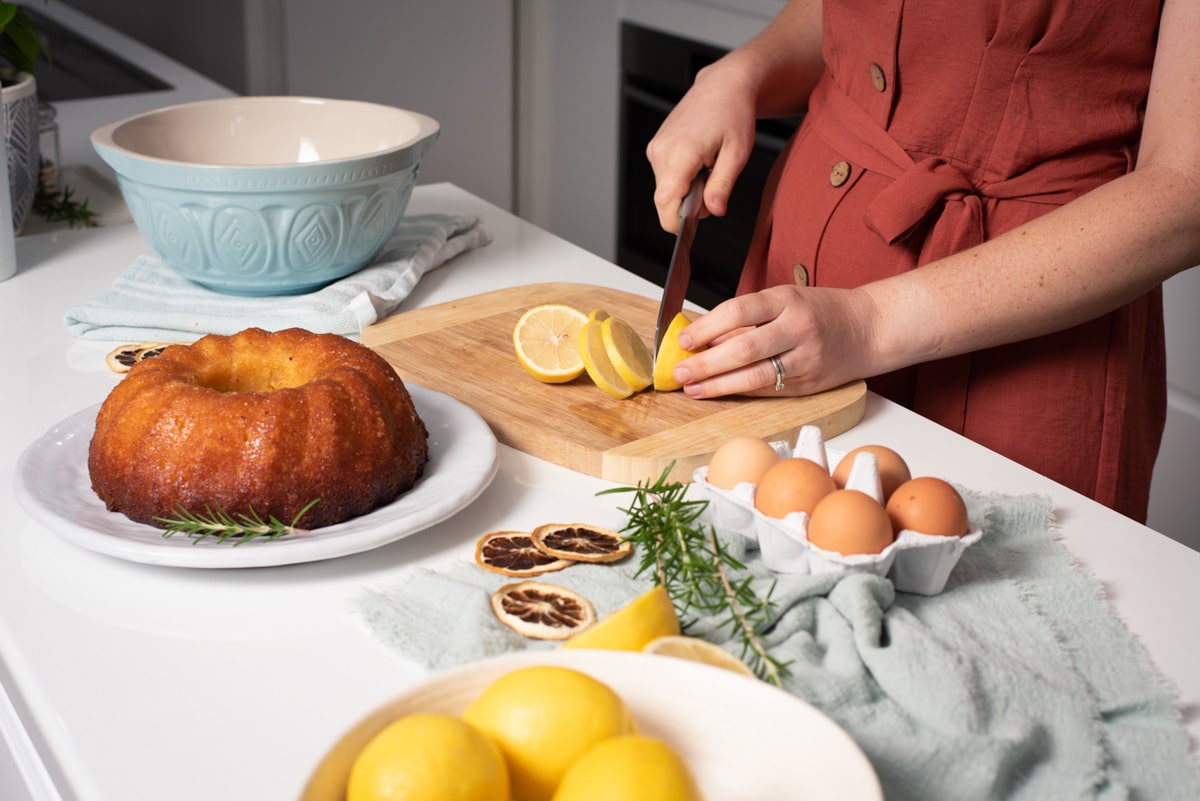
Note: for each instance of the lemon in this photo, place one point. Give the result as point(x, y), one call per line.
point(648, 617)
point(697, 650)
point(546, 341)
point(630, 768)
point(629, 355)
point(426, 756)
point(545, 718)
point(597, 362)
point(670, 354)
point(597, 314)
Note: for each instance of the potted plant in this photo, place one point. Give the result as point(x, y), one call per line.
point(20, 45)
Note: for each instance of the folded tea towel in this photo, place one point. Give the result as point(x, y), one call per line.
point(150, 302)
point(1016, 682)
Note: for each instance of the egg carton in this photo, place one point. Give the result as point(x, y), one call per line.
point(916, 563)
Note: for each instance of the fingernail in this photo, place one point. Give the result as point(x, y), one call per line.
point(682, 375)
point(685, 341)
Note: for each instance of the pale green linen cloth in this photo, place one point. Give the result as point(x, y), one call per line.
point(1017, 682)
point(150, 302)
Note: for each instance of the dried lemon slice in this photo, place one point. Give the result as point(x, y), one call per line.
point(123, 357)
point(546, 341)
point(629, 355)
point(514, 554)
point(542, 611)
point(581, 542)
point(695, 650)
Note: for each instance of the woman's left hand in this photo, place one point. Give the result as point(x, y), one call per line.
point(821, 337)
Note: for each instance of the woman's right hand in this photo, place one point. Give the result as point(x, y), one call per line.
point(712, 126)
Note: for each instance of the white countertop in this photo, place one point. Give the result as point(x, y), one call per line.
point(126, 682)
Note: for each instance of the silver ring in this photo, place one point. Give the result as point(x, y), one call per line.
point(777, 363)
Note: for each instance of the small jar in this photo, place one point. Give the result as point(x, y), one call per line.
point(50, 155)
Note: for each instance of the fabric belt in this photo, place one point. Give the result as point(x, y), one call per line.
point(920, 185)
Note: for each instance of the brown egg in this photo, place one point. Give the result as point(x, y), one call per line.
point(850, 522)
point(893, 470)
point(740, 459)
point(792, 485)
point(928, 505)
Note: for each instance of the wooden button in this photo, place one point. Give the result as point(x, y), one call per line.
point(840, 173)
point(800, 274)
point(878, 78)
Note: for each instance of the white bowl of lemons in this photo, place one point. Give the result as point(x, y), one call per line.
point(568, 725)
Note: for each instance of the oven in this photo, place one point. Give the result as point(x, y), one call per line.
point(657, 68)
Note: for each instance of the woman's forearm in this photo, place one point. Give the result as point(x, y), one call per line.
point(1071, 265)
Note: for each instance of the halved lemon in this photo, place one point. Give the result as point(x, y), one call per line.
point(697, 650)
point(629, 355)
point(648, 617)
point(670, 354)
point(546, 341)
point(597, 363)
point(542, 611)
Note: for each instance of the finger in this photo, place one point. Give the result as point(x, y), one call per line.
point(757, 378)
point(725, 170)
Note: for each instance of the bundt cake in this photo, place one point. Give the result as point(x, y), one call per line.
point(258, 423)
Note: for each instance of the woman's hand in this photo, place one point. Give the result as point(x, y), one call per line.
point(823, 338)
point(712, 126)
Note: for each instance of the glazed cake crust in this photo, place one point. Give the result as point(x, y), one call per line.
point(260, 423)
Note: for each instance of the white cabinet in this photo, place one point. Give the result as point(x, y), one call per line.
point(452, 60)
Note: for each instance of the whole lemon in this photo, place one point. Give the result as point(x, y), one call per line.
point(631, 768)
point(545, 718)
point(426, 756)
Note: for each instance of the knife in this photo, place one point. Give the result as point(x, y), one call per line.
point(679, 273)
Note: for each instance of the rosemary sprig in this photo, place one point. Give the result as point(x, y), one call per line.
point(57, 205)
point(223, 526)
point(697, 570)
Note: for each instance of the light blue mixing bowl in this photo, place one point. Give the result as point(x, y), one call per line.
point(267, 195)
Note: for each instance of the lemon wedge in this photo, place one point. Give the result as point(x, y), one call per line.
point(629, 355)
point(546, 341)
point(696, 650)
point(649, 617)
point(597, 363)
point(670, 354)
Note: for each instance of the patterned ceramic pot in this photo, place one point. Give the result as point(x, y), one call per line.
point(21, 136)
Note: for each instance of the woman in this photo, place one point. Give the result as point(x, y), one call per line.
point(976, 214)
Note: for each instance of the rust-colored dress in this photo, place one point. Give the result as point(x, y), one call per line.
point(940, 124)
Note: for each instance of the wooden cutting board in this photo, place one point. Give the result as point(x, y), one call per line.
point(464, 349)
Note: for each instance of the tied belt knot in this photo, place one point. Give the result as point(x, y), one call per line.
point(932, 183)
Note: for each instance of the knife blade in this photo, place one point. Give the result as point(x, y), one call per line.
point(679, 273)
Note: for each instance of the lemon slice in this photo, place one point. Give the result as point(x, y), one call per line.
point(670, 354)
point(649, 617)
point(597, 315)
point(629, 355)
point(513, 553)
point(598, 364)
point(696, 650)
point(580, 542)
point(545, 339)
point(542, 611)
